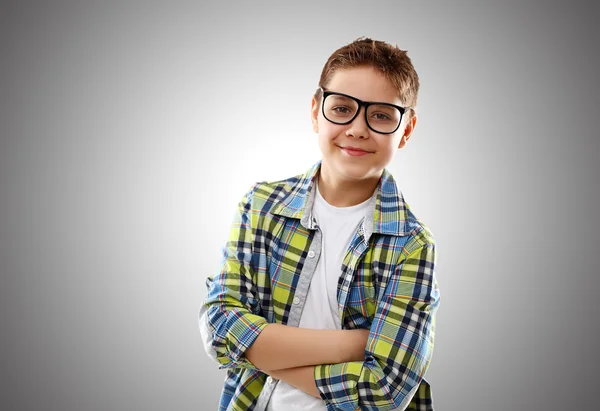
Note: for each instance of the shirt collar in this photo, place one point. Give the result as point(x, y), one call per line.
point(387, 213)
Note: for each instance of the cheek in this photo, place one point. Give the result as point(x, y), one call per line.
point(324, 142)
point(328, 138)
point(329, 131)
point(390, 148)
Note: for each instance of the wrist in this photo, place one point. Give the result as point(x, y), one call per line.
point(352, 345)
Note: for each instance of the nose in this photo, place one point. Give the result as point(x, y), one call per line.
point(358, 128)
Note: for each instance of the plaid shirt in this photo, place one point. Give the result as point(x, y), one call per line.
point(387, 285)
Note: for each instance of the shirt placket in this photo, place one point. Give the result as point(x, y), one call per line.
point(298, 300)
point(357, 249)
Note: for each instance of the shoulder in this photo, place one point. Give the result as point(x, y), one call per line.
point(264, 195)
point(420, 235)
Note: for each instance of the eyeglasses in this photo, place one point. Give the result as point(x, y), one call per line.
point(339, 108)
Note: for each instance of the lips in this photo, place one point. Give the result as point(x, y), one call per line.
point(354, 151)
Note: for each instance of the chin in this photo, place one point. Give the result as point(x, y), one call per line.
point(355, 171)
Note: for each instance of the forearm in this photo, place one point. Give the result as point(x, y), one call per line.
point(279, 347)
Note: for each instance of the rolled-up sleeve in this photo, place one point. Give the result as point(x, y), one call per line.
point(400, 344)
point(229, 317)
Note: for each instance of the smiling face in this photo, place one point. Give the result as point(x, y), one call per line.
point(354, 153)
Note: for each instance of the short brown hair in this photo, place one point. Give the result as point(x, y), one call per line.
point(390, 61)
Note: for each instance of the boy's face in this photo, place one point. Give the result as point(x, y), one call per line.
point(335, 141)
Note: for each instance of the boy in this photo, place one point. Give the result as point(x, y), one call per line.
point(326, 297)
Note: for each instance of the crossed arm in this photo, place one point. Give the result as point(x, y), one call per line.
point(340, 366)
point(290, 353)
point(381, 367)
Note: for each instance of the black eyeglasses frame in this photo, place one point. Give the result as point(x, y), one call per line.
point(361, 103)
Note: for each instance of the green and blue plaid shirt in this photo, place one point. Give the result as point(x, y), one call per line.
point(387, 285)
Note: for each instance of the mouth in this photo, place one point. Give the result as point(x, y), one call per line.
point(353, 151)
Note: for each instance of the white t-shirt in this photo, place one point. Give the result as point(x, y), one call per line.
point(337, 225)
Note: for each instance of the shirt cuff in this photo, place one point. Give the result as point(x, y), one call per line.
point(336, 384)
point(243, 330)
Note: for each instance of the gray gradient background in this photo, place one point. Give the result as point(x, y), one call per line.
point(121, 165)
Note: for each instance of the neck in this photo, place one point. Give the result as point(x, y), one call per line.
point(345, 193)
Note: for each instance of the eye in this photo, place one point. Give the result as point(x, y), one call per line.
point(341, 110)
point(381, 116)
point(384, 114)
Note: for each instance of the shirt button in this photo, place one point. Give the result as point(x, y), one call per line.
point(311, 254)
point(296, 300)
point(270, 380)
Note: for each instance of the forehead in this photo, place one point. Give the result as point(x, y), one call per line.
point(365, 83)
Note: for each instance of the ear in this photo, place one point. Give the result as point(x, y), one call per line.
point(314, 115)
point(408, 130)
